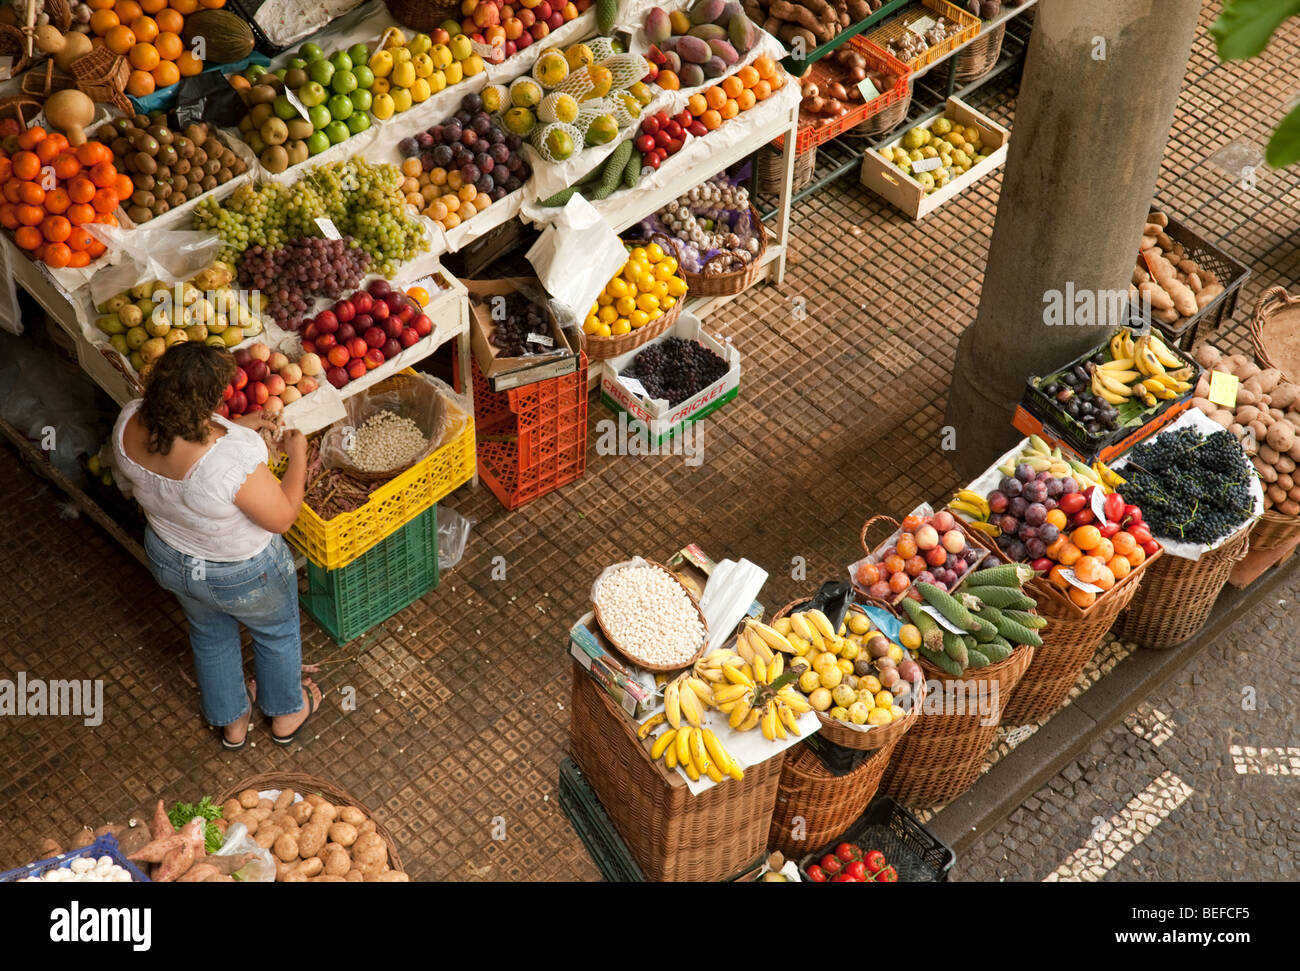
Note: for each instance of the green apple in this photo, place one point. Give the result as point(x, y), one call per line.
point(283, 108)
point(297, 62)
point(254, 71)
point(313, 93)
point(281, 72)
point(340, 107)
point(359, 53)
point(317, 142)
point(319, 116)
point(337, 132)
point(320, 71)
point(358, 122)
point(364, 75)
point(311, 52)
point(344, 81)
point(341, 61)
point(420, 44)
point(361, 99)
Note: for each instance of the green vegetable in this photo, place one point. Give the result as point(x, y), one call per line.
point(632, 174)
point(954, 645)
point(983, 630)
point(1032, 621)
point(998, 649)
point(977, 660)
point(950, 607)
point(941, 660)
point(612, 173)
point(1001, 597)
point(560, 198)
point(1018, 633)
point(1005, 575)
point(606, 13)
point(931, 632)
point(183, 812)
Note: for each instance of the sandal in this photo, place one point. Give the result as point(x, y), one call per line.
point(311, 710)
point(226, 743)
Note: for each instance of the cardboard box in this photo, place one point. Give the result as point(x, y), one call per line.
point(503, 373)
point(885, 179)
point(589, 648)
point(661, 421)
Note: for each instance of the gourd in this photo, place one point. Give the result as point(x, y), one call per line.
point(64, 48)
point(70, 111)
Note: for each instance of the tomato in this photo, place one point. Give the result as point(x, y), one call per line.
point(1150, 547)
point(844, 878)
point(1132, 515)
point(848, 852)
point(1071, 503)
point(857, 870)
point(1141, 532)
point(887, 875)
point(1082, 518)
point(1114, 507)
point(816, 874)
point(875, 861)
point(1109, 529)
point(832, 864)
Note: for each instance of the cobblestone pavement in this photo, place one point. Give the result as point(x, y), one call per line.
point(1198, 784)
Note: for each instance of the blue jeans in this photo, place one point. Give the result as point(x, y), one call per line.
point(260, 592)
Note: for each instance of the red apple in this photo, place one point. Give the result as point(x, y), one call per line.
point(339, 355)
point(356, 368)
point(392, 347)
point(324, 342)
point(409, 336)
point(396, 300)
point(309, 347)
point(538, 30)
point(525, 39)
point(258, 393)
point(337, 376)
point(357, 347)
point(423, 325)
point(375, 336)
point(238, 403)
point(344, 310)
point(240, 379)
point(223, 410)
point(542, 10)
point(555, 21)
point(378, 288)
point(242, 357)
point(374, 357)
point(257, 370)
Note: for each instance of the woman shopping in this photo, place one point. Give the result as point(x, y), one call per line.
point(214, 514)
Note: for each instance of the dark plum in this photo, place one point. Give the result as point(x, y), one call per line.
point(484, 184)
point(1024, 473)
point(1034, 548)
point(1053, 487)
point(1036, 514)
point(997, 501)
point(1035, 491)
point(1015, 550)
point(498, 193)
point(471, 102)
point(442, 156)
point(485, 163)
point(1048, 533)
point(424, 140)
point(500, 154)
point(1009, 525)
point(1017, 506)
point(1068, 485)
point(408, 147)
point(469, 172)
point(427, 161)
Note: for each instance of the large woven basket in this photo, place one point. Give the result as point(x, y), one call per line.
point(305, 785)
point(602, 348)
point(20, 107)
point(1273, 530)
point(770, 170)
point(875, 737)
point(944, 755)
point(1069, 642)
point(724, 284)
point(1275, 332)
point(1177, 595)
point(883, 121)
point(422, 15)
point(978, 57)
point(813, 806)
point(673, 835)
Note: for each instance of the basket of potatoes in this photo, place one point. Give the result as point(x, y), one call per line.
point(316, 831)
point(1266, 420)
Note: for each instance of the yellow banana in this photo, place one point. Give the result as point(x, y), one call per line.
point(744, 648)
point(670, 757)
point(662, 742)
point(775, 668)
point(672, 705)
point(698, 754)
point(761, 650)
point(683, 744)
point(690, 704)
point(968, 509)
point(1130, 348)
point(777, 725)
point(1112, 382)
point(737, 675)
point(1101, 391)
point(795, 701)
point(730, 693)
point(714, 675)
point(702, 691)
point(801, 625)
point(788, 716)
point(782, 626)
point(769, 722)
point(750, 721)
point(975, 499)
point(650, 724)
point(770, 636)
point(760, 670)
point(727, 707)
point(739, 714)
point(821, 622)
point(714, 773)
point(689, 768)
point(1119, 364)
point(1162, 352)
point(1117, 343)
point(1146, 359)
point(987, 529)
point(719, 754)
point(748, 671)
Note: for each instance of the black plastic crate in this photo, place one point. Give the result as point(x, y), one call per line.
point(1232, 275)
point(917, 855)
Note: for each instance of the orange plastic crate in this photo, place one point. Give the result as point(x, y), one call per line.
point(896, 27)
point(814, 130)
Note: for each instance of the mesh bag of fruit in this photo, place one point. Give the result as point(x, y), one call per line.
point(578, 84)
point(625, 69)
point(602, 49)
point(541, 140)
point(562, 108)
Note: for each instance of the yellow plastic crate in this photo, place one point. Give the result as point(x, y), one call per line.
point(334, 543)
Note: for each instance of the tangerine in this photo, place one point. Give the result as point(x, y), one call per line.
point(102, 21)
point(170, 20)
point(140, 83)
point(57, 201)
point(28, 237)
point(697, 104)
point(105, 200)
point(762, 91)
point(9, 215)
point(123, 186)
point(30, 215)
point(78, 239)
point(79, 259)
point(1123, 541)
point(27, 165)
point(715, 97)
point(153, 6)
point(190, 65)
point(31, 136)
point(166, 74)
point(1119, 566)
point(10, 191)
point(144, 28)
point(1082, 598)
point(79, 214)
point(1088, 569)
point(103, 174)
point(49, 147)
point(57, 254)
point(748, 76)
point(144, 57)
point(169, 45)
point(711, 120)
point(31, 193)
point(732, 86)
point(92, 153)
point(127, 10)
point(185, 7)
point(120, 39)
point(55, 229)
point(765, 66)
point(730, 109)
point(746, 100)
point(66, 165)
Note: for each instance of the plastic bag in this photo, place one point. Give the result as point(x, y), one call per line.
point(259, 869)
point(453, 535)
point(11, 315)
point(167, 256)
point(430, 403)
point(576, 255)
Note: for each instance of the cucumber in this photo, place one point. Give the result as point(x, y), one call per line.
point(954, 645)
point(941, 661)
point(951, 608)
point(996, 650)
point(632, 174)
point(1017, 633)
point(1001, 597)
point(931, 632)
point(1005, 575)
point(978, 660)
point(1032, 621)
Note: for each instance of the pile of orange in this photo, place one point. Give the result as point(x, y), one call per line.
point(51, 190)
point(1094, 558)
point(148, 34)
point(738, 92)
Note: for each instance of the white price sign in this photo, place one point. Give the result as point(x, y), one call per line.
point(941, 620)
point(328, 228)
point(635, 386)
point(927, 164)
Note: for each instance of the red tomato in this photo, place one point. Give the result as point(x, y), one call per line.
point(816, 874)
point(1071, 503)
point(1082, 518)
point(832, 864)
point(875, 861)
point(1114, 507)
point(848, 852)
point(857, 870)
point(1150, 547)
point(887, 875)
point(844, 878)
point(1141, 532)
point(1109, 529)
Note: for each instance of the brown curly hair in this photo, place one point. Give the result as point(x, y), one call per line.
point(181, 391)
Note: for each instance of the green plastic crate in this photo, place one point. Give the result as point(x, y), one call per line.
point(396, 572)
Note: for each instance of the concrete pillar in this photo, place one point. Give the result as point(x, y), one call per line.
point(1096, 103)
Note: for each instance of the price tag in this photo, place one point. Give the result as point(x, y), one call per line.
point(429, 283)
point(1075, 581)
point(541, 339)
point(328, 228)
point(635, 386)
point(921, 25)
point(1099, 504)
point(927, 164)
point(1223, 388)
point(941, 620)
point(294, 100)
point(867, 90)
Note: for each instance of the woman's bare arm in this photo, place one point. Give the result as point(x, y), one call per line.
point(272, 504)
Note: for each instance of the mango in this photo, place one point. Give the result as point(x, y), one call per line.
point(657, 27)
point(741, 31)
point(714, 67)
point(693, 50)
point(725, 51)
point(707, 32)
point(674, 62)
point(729, 10)
point(707, 11)
point(691, 75)
point(679, 21)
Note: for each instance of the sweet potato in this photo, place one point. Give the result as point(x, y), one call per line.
point(156, 850)
point(1281, 436)
point(231, 863)
point(161, 825)
point(198, 873)
point(175, 863)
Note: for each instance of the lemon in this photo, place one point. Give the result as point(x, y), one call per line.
point(655, 252)
point(620, 327)
point(639, 318)
point(603, 330)
point(895, 653)
point(648, 302)
point(825, 662)
point(617, 288)
point(604, 300)
point(625, 305)
point(667, 303)
point(660, 290)
point(676, 287)
point(638, 253)
point(910, 636)
point(590, 324)
point(608, 314)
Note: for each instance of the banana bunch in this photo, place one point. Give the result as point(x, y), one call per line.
point(975, 509)
point(751, 685)
point(697, 751)
point(1140, 369)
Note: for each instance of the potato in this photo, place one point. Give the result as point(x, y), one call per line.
point(1268, 379)
point(85, 836)
point(354, 876)
point(281, 819)
point(1246, 397)
point(285, 799)
point(1281, 436)
point(1259, 428)
point(249, 798)
point(367, 827)
point(50, 848)
point(1247, 414)
point(301, 811)
point(1233, 364)
point(394, 876)
point(1254, 386)
point(1237, 431)
point(1205, 405)
point(1208, 356)
point(1276, 495)
point(1289, 508)
point(1269, 456)
point(315, 798)
point(283, 869)
point(231, 808)
point(266, 804)
point(260, 814)
point(328, 878)
point(1285, 482)
point(249, 821)
point(286, 848)
point(266, 836)
point(324, 812)
point(337, 861)
point(1284, 395)
point(1284, 463)
point(311, 867)
point(295, 876)
point(312, 838)
point(1274, 414)
point(343, 833)
point(1247, 370)
point(351, 814)
point(1295, 492)
point(1266, 471)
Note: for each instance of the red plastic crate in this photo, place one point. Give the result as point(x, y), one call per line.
point(531, 439)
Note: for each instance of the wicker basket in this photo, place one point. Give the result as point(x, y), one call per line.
point(845, 736)
point(102, 75)
point(422, 15)
point(1177, 595)
point(673, 835)
point(1275, 332)
point(654, 667)
point(1069, 642)
point(770, 171)
point(1273, 530)
point(883, 121)
point(824, 804)
point(20, 107)
point(41, 82)
point(724, 284)
point(305, 785)
point(944, 756)
point(978, 57)
point(13, 43)
point(602, 348)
